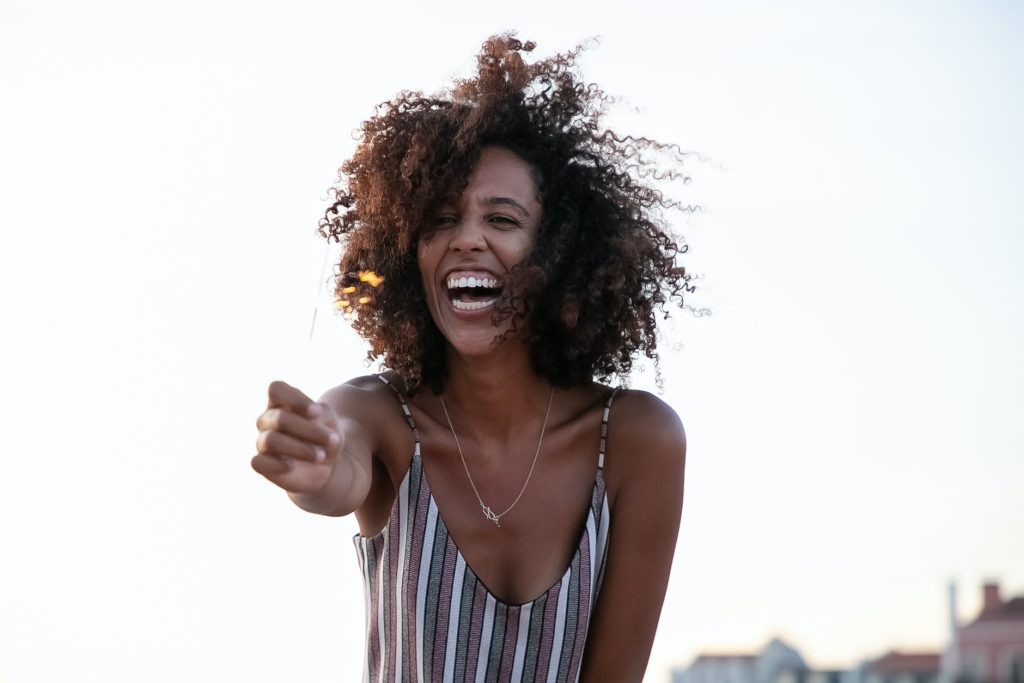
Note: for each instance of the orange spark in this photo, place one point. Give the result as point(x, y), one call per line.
point(371, 277)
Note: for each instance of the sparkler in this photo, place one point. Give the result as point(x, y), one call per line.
point(343, 303)
point(349, 299)
point(371, 277)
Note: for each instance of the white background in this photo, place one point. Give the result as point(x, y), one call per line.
point(853, 405)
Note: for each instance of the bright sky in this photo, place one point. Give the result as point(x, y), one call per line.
point(853, 405)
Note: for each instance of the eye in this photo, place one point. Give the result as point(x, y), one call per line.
point(445, 220)
point(438, 223)
point(504, 220)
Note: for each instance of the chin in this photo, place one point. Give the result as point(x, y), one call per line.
point(481, 343)
point(475, 347)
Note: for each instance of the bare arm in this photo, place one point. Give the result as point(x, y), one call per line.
point(319, 452)
point(647, 453)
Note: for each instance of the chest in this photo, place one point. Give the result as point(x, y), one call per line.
point(543, 499)
point(430, 612)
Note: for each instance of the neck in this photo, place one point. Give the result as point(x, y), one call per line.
point(496, 392)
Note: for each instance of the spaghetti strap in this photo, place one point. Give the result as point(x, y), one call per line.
point(604, 428)
point(405, 411)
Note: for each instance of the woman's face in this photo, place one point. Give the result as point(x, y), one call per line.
point(472, 243)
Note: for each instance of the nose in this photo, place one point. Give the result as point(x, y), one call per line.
point(468, 236)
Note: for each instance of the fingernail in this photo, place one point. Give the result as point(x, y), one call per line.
point(314, 410)
point(332, 439)
point(320, 455)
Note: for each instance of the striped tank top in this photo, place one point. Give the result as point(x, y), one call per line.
point(430, 619)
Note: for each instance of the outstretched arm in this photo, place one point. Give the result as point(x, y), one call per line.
point(319, 452)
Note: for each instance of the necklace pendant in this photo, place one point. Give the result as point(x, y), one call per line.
point(489, 514)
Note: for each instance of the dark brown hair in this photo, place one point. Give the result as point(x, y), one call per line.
point(603, 264)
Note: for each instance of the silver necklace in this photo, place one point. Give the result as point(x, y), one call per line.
point(486, 509)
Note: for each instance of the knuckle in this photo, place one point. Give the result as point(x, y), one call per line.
point(276, 391)
point(272, 419)
point(271, 441)
point(261, 464)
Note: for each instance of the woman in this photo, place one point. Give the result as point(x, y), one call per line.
point(517, 518)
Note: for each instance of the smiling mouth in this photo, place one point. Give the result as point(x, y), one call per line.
point(472, 293)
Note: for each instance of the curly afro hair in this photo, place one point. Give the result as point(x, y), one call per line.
point(603, 264)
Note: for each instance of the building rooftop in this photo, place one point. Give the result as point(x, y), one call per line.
point(724, 658)
point(1011, 610)
point(905, 662)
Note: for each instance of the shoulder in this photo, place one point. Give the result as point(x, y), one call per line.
point(367, 400)
point(356, 391)
point(371, 408)
point(641, 420)
point(367, 387)
point(646, 443)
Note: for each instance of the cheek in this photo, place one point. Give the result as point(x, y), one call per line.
point(425, 246)
point(521, 247)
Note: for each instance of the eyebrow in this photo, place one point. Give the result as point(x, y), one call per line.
point(507, 201)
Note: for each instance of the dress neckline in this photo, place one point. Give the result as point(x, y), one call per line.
point(598, 497)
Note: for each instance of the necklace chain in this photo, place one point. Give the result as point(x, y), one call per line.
point(486, 509)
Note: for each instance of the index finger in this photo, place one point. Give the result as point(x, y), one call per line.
point(283, 395)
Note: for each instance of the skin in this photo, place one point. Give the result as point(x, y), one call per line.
point(350, 451)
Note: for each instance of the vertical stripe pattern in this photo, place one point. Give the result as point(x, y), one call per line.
point(430, 619)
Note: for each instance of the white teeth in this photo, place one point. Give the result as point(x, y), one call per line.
point(472, 305)
point(471, 281)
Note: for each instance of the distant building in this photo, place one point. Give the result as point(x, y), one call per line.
point(989, 649)
point(902, 667)
point(835, 676)
point(717, 668)
point(774, 660)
